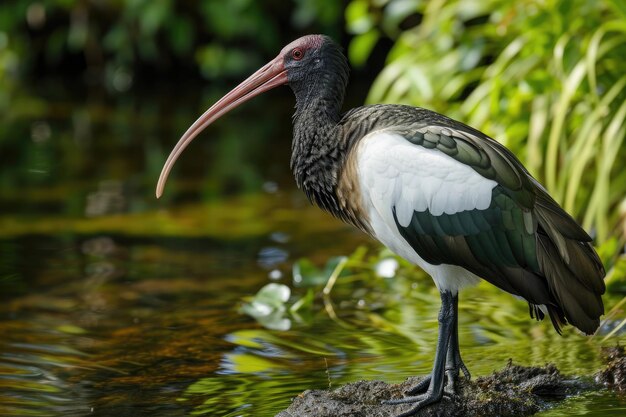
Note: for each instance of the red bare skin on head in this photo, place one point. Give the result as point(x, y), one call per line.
point(304, 43)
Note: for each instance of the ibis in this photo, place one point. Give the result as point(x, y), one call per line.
point(442, 195)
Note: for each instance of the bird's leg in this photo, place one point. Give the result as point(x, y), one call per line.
point(454, 363)
point(435, 387)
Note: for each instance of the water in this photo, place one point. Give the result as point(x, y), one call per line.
point(114, 303)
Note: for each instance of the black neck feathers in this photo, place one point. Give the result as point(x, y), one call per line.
point(318, 151)
point(321, 85)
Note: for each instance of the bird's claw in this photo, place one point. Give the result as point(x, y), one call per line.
point(421, 386)
point(420, 401)
point(405, 400)
point(466, 372)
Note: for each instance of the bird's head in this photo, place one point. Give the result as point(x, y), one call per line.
point(296, 65)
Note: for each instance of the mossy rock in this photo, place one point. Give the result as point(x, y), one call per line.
point(512, 391)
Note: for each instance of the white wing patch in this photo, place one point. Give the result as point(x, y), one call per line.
point(396, 173)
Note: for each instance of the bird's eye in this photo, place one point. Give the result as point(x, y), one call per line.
point(297, 54)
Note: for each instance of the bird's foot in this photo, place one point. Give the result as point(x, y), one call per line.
point(452, 376)
point(420, 402)
point(447, 366)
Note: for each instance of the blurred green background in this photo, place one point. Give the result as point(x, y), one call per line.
point(116, 303)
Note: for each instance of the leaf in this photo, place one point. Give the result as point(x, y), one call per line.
point(268, 306)
point(386, 268)
point(306, 274)
point(361, 47)
point(305, 302)
point(274, 294)
point(358, 20)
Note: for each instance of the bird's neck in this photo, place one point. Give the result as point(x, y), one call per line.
point(318, 153)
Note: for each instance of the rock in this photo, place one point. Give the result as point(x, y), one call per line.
point(614, 375)
point(513, 391)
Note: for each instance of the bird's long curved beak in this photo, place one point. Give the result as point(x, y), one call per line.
point(269, 76)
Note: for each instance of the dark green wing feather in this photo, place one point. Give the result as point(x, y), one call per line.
point(497, 244)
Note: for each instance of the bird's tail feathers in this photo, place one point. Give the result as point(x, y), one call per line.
point(572, 268)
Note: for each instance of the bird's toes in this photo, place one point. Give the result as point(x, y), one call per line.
point(405, 400)
point(419, 401)
point(465, 371)
point(421, 386)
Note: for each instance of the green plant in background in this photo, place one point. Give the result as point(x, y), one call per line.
point(545, 78)
point(218, 38)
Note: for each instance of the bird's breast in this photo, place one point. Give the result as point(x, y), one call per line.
point(349, 194)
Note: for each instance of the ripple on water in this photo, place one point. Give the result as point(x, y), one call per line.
point(34, 376)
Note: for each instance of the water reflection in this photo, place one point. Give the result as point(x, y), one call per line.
point(35, 363)
point(107, 199)
point(270, 257)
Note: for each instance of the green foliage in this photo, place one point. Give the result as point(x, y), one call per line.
point(544, 78)
point(306, 274)
point(117, 38)
point(270, 305)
